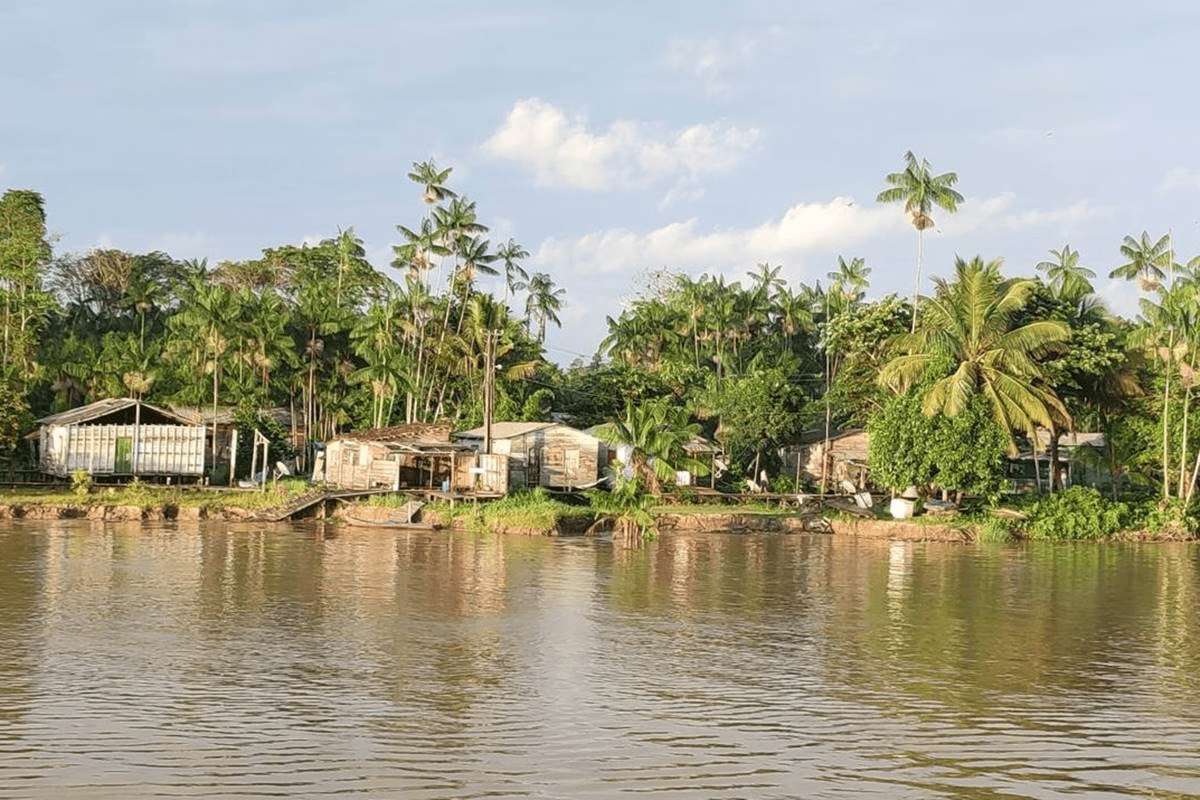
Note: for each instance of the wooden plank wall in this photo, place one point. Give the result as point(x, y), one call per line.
point(570, 458)
point(563, 457)
point(361, 465)
point(159, 449)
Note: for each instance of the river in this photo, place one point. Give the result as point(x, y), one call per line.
point(205, 660)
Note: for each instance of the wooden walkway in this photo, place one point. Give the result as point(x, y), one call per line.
point(304, 502)
point(301, 503)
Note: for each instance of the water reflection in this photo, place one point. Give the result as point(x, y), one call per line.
point(223, 660)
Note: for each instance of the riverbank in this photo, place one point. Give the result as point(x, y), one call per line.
point(528, 515)
point(124, 513)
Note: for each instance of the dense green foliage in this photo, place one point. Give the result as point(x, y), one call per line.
point(963, 453)
point(944, 382)
point(758, 413)
point(1080, 512)
point(313, 327)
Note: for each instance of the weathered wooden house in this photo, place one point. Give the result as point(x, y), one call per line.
point(841, 458)
point(548, 454)
point(1081, 461)
point(120, 437)
point(412, 456)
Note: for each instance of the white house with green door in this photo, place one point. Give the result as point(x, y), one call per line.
point(120, 437)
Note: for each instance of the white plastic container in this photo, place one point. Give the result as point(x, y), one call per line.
point(902, 508)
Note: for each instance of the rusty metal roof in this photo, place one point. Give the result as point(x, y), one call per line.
point(410, 433)
point(511, 430)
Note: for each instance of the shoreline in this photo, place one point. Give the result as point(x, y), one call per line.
point(124, 513)
point(722, 522)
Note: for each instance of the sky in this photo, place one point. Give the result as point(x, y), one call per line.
point(613, 140)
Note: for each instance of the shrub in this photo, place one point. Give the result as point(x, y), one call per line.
point(1167, 518)
point(1080, 512)
point(993, 529)
point(81, 482)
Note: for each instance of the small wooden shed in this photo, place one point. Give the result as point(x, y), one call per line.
point(844, 459)
point(547, 454)
point(119, 437)
point(408, 457)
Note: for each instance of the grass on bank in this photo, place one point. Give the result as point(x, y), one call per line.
point(523, 508)
point(1078, 513)
point(84, 492)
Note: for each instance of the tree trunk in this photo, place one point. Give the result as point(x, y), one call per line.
point(1166, 462)
point(917, 286)
point(1185, 380)
point(1052, 451)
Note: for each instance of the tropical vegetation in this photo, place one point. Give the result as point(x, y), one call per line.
point(952, 384)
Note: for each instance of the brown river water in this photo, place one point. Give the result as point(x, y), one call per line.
point(174, 660)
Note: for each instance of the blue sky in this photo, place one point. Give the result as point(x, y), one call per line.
point(611, 139)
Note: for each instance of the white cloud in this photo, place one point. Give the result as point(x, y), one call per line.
point(561, 151)
point(1181, 178)
point(999, 213)
point(803, 228)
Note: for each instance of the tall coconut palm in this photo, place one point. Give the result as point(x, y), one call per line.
point(1149, 262)
point(511, 254)
point(432, 181)
point(970, 326)
point(543, 303)
point(920, 190)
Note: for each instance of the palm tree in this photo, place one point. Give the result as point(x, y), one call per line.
point(432, 180)
point(269, 343)
point(419, 248)
point(1148, 261)
point(477, 256)
point(350, 254)
point(970, 327)
point(200, 327)
point(920, 191)
point(767, 283)
point(655, 432)
point(849, 283)
point(511, 254)
point(1068, 280)
point(543, 303)
point(1176, 316)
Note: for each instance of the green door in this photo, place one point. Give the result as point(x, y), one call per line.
point(123, 463)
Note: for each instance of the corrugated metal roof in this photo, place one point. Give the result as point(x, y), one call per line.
point(509, 430)
point(102, 408)
point(1072, 439)
point(226, 415)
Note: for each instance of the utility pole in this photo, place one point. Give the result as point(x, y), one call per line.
point(489, 383)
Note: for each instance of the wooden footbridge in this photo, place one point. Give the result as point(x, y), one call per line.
point(322, 498)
